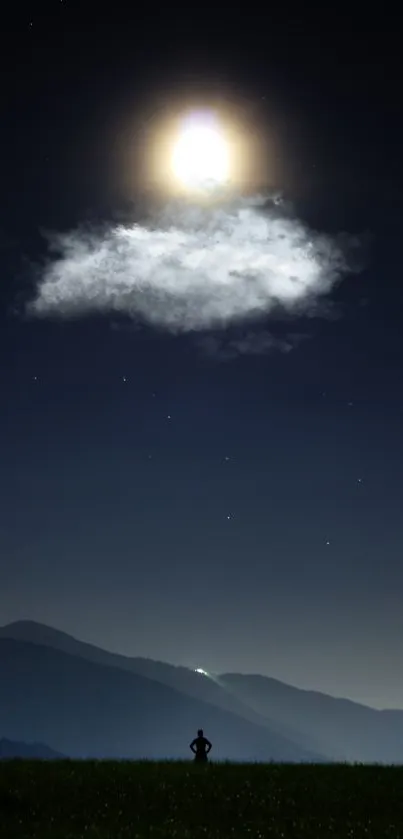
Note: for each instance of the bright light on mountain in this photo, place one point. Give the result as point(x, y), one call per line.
point(199, 670)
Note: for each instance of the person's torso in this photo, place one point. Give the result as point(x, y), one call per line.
point(201, 745)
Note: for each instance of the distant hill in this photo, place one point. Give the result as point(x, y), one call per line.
point(84, 709)
point(340, 728)
point(36, 751)
point(182, 679)
point(313, 722)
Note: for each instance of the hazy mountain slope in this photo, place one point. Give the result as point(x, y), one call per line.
point(29, 751)
point(85, 709)
point(337, 728)
point(343, 729)
point(181, 678)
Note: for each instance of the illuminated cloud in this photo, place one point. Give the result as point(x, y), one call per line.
point(192, 268)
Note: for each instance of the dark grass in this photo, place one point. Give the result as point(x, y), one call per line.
point(112, 800)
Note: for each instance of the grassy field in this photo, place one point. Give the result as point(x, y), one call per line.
point(112, 800)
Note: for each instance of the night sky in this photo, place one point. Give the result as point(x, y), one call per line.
point(231, 498)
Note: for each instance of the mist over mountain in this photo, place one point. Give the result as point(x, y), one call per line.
point(85, 709)
point(339, 728)
point(84, 701)
point(187, 681)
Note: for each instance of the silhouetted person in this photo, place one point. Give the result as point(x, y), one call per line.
point(200, 747)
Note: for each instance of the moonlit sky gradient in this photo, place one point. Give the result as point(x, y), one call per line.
point(202, 406)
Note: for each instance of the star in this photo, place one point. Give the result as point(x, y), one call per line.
point(226, 458)
point(169, 416)
point(328, 543)
point(124, 378)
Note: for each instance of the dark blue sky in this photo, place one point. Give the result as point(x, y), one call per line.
point(235, 515)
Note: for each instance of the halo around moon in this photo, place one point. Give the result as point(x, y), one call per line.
point(203, 150)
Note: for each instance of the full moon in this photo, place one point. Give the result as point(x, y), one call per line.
point(201, 156)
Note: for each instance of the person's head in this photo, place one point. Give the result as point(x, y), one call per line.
point(200, 732)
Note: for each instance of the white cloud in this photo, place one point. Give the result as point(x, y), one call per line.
point(192, 268)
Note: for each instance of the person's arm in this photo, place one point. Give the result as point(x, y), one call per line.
point(209, 746)
point(192, 746)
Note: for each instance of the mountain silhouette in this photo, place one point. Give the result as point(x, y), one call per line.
point(31, 751)
point(85, 709)
point(340, 728)
point(291, 721)
point(181, 678)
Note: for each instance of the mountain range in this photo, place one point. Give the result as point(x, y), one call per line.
point(86, 702)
